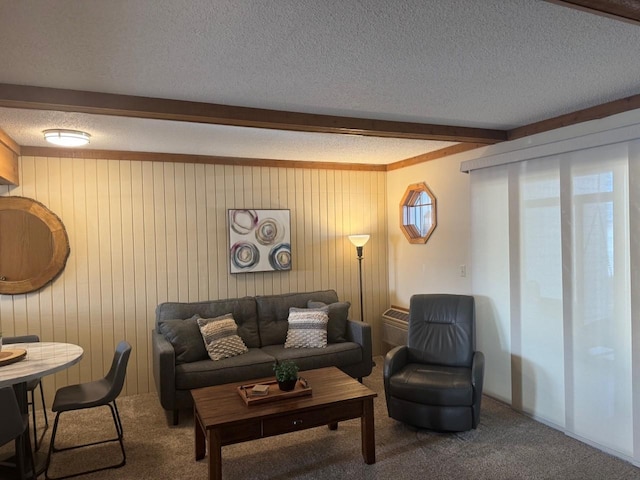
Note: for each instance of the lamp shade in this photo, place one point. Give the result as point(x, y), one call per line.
point(66, 138)
point(359, 240)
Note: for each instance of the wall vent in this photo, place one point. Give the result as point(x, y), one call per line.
point(395, 324)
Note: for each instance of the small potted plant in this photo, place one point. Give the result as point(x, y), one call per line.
point(286, 374)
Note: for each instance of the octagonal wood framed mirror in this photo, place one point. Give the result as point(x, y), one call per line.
point(34, 245)
point(418, 217)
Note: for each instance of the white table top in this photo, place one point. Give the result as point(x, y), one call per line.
point(43, 358)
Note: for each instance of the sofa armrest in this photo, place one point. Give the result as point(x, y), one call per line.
point(360, 332)
point(164, 369)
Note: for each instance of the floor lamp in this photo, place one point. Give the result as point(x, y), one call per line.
point(359, 241)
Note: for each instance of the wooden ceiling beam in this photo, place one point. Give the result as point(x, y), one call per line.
point(42, 98)
point(9, 153)
point(9, 142)
point(436, 154)
point(624, 10)
point(585, 115)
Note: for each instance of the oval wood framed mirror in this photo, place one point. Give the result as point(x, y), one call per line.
point(34, 245)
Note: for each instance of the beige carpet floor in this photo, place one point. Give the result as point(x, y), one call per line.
point(506, 445)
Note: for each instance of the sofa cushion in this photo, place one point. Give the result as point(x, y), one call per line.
point(220, 334)
point(273, 312)
point(243, 310)
point(185, 337)
point(333, 355)
point(307, 328)
point(249, 366)
point(338, 316)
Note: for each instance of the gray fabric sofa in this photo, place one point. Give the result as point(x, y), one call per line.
point(180, 362)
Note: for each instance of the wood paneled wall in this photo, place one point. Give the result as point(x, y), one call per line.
point(142, 233)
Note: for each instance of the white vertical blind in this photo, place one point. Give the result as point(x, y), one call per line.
point(567, 297)
point(538, 217)
point(601, 326)
point(490, 276)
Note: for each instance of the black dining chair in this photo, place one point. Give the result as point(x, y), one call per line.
point(15, 426)
point(89, 395)
point(31, 388)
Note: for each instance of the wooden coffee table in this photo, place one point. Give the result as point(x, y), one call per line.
point(221, 417)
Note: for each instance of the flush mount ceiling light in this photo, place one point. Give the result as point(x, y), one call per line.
point(66, 138)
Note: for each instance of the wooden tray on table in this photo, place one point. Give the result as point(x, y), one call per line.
point(302, 388)
point(11, 356)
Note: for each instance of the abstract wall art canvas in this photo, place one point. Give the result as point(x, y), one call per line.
point(259, 240)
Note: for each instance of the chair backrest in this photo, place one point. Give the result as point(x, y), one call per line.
point(11, 421)
point(21, 339)
point(118, 371)
point(442, 329)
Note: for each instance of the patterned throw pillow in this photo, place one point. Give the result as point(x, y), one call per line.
point(221, 338)
point(307, 328)
point(338, 315)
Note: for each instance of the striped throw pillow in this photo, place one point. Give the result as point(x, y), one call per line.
point(307, 328)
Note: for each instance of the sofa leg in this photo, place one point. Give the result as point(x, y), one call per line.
point(175, 417)
point(360, 379)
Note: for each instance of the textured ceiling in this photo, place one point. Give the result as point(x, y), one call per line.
point(477, 63)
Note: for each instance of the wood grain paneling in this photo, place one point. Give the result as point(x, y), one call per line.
point(147, 232)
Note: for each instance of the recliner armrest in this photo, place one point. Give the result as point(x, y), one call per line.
point(164, 369)
point(477, 372)
point(477, 381)
point(394, 360)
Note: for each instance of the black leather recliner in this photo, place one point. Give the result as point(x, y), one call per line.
point(435, 381)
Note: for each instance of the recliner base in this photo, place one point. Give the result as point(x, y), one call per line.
point(432, 417)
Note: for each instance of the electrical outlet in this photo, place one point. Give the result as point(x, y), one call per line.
point(463, 270)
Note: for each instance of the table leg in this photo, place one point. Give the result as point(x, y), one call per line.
point(215, 454)
point(20, 390)
point(333, 426)
point(200, 445)
point(368, 432)
point(10, 466)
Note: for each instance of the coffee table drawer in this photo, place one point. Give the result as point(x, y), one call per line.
point(241, 433)
point(310, 419)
